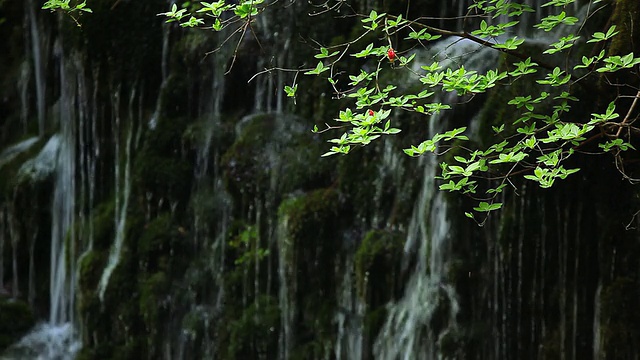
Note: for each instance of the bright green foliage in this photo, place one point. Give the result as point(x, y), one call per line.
point(68, 7)
point(246, 244)
point(533, 145)
point(65, 5)
point(213, 12)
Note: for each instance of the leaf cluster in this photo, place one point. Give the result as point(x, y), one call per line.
point(534, 145)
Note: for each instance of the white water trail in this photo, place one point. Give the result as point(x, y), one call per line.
point(287, 289)
point(57, 338)
point(597, 326)
point(38, 65)
point(62, 283)
point(349, 317)
point(121, 213)
point(45, 342)
point(406, 333)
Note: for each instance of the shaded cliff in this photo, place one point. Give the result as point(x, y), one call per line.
point(153, 207)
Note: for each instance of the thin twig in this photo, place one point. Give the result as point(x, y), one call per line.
point(628, 116)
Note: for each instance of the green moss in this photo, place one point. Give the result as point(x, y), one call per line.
point(625, 16)
point(103, 222)
point(255, 329)
point(152, 291)
point(273, 155)
point(160, 167)
point(312, 350)
point(245, 163)
point(163, 175)
point(311, 230)
point(90, 270)
point(156, 237)
point(378, 257)
point(310, 214)
point(373, 321)
point(16, 318)
point(196, 134)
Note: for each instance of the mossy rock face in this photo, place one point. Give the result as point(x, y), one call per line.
point(312, 225)
point(377, 266)
point(13, 163)
point(103, 222)
point(90, 269)
point(256, 328)
point(166, 176)
point(121, 301)
point(153, 291)
point(245, 163)
point(620, 318)
point(89, 305)
point(16, 318)
point(214, 131)
point(273, 152)
point(310, 215)
point(625, 15)
point(374, 320)
point(157, 238)
point(161, 167)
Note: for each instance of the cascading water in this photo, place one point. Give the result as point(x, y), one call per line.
point(292, 298)
point(57, 338)
point(122, 191)
point(38, 64)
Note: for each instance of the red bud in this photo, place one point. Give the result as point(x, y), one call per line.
point(391, 54)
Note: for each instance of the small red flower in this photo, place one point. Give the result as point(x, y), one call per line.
point(391, 54)
point(370, 112)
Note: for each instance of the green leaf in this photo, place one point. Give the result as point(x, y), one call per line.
point(486, 207)
point(291, 91)
point(320, 68)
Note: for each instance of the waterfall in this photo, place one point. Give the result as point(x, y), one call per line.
point(122, 190)
point(349, 316)
point(63, 240)
point(59, 159)
point(286, 294)
point(407, 332)
point(417, 324)
point(38, 65)
point(597, 328)
point(527, 290)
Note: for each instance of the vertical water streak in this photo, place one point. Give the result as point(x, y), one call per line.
point(287, 291)
point(14, 234)
point(122, 196)
point(31, 296)
point(62, 287)
point(350, 315)
point(23, 88)
point(406, 333)
point(597, 329)
point(38, 65)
